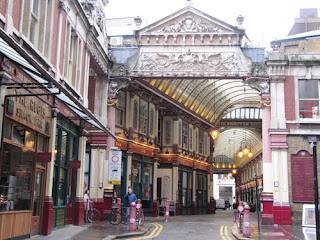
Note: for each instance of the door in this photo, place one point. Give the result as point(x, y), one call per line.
point(37, 202)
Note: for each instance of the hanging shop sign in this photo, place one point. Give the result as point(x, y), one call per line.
point(31, 112)
point(114, 173)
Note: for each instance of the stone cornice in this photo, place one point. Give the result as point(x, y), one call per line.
point(98, 53)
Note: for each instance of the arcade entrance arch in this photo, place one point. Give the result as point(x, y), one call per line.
point(196, 73)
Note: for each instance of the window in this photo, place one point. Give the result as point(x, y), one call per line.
point(201, 137)
point(16, 178)
point(34, 22)
point(73, 60)
point(309, 98)
point(120, 108)
point(143, 116)
point(184, 135)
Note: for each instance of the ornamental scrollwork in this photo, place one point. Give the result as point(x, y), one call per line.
point(190, 24)
point(258, 83)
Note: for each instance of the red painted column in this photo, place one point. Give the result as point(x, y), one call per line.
point(267, 194)
point(155, 208)
point(47, 216)
point(194, 208)
point(79, 211)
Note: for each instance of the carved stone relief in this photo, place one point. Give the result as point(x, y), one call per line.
point(219, 62)
point(191, 24)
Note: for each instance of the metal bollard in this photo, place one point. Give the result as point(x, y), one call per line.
point(167, 211)
point(246, 222)
point(117, 205)
point(139, 206)
point(132, 218)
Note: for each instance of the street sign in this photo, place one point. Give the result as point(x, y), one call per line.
point(114, 173)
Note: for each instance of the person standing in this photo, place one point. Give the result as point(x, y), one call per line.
point(130, 197)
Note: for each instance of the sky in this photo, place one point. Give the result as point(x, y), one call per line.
point(264, 21)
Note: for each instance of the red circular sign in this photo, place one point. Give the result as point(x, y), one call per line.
point(115, 159)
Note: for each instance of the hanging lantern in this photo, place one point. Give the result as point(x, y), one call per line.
point(214, 133)
point(240, 154)
point(245, 151)
point(250, 154)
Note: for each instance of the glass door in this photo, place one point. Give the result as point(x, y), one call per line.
point(37, 202)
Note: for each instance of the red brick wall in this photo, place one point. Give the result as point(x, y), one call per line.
point(63, 36)
point(16, 13)
point(3, 7)
point(91, 91)
point(289, 96)
point(55, 33)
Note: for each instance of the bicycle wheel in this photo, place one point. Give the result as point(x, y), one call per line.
point(141, 218)
point(114, 218)
point(94, 215)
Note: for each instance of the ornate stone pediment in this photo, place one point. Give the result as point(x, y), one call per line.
point(190, 26)
point(188, 20)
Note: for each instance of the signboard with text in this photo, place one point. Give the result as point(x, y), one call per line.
point(114, 173)
point(302, 177)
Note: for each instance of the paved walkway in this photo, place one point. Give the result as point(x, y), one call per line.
point(276, 232)
point(176, 228)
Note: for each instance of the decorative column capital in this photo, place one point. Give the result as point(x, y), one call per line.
point(277, 79)
point(112, 102)
point(265, 101)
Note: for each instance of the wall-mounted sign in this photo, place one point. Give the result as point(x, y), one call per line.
point(114, 173)
point(44, 157)
point(31, 112)
point(302, 177)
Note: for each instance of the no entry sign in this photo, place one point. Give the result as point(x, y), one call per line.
point(114, 173)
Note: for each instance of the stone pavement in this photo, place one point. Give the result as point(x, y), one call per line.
point(94, 231)
point(276, 232)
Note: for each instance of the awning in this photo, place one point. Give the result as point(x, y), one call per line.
point(13, 51)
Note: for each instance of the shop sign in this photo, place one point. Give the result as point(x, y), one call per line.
point(75, 164)
point(31, 112)
point(44, 156)
point(114, 173)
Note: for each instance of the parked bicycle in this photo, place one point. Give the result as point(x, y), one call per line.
point(92, 214)
point(119, 215)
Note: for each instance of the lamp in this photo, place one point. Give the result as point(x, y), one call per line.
point(214, 133)
point(250, 154)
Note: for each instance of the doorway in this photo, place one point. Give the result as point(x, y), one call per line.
point(38, 195)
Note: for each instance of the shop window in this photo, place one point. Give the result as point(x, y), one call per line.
point(147, 181)
point(18, 134)
point(309, 99)
point(136, 176)
point(120, 108)
point(143, 116)
point(42, 144)
point(7, 129)
point(30, 140)
point(15, 178)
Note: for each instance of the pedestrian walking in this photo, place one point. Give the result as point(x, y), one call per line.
point(129, 197)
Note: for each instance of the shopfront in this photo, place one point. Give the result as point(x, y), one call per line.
point(142, 179)
point(23, 163)
point(65, 174)
point(185, 187)
point(201, 191)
